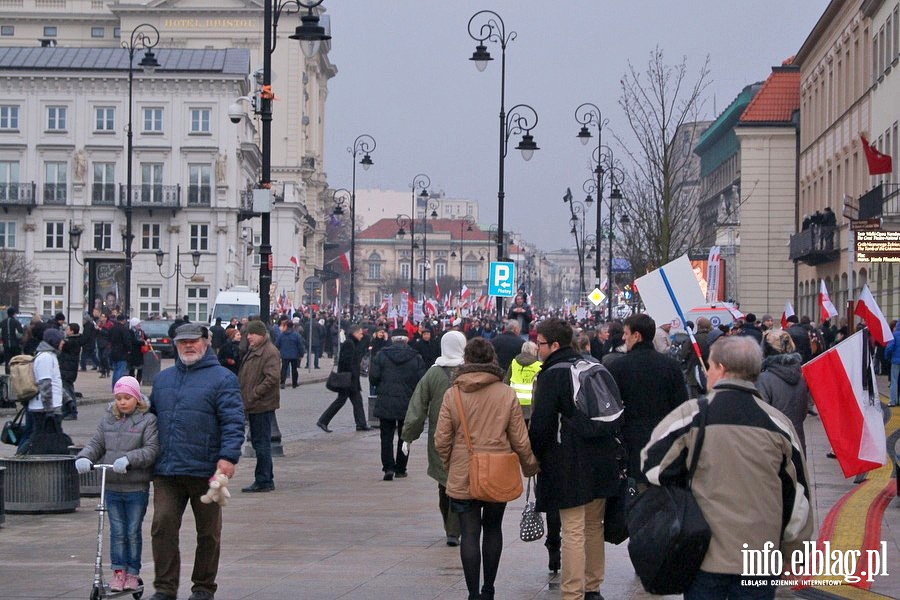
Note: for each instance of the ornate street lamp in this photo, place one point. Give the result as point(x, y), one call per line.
point(404, 221)
point(576, 220)
point(178, 273)
point(363, 145)
point(421, 182)
point(465, 224)
point(74, 241)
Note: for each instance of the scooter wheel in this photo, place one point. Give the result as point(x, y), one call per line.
point(95, 593)
point(140, 592)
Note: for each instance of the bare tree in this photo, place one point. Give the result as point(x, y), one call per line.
point(18, 278)
point(660, 104)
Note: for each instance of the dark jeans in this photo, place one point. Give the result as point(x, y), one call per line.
point(170, 497)
point(104, 361)
point(292, 364)
point(451, 519)
point(126, 512)
point(392, 460)
point(316, 353)
point(484, 521)
point(89, 352)
point(719, 586)
point(359, 414)
point(70, 401)
point(261, 438)
point(119, 370)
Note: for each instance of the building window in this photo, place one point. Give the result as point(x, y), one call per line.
point(103, 190)
point(199, 191)
point(98, 32)
point(105, 118)
point(200, 120)
point(150, 236)
point(102, 236)
point(151, 182)
point(148, 301)
point(56, 118)
point(422, 268)
point(198, 304)
point(7, 30)
point(440, 269)
point(52, 300)
point(470, 272)
point(404, 270)
point(9, 181)
point(117, 32)
point(7, 234)
point(153, 120)
point(199, 237)
point(49, 31)
point(9, 117)
point(374, 270)
point(55, 184)
point(54, 235)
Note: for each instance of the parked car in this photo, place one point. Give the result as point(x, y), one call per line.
point(157, 333)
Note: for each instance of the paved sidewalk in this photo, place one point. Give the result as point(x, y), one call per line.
point(332, 529)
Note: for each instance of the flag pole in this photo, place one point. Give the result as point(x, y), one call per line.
point(690, 333)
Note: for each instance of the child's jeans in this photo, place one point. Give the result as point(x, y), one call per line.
point(126, 512)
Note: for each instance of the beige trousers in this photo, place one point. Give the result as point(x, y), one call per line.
point(583, 554)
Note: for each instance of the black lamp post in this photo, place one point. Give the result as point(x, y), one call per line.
point(493, 29)
point(404, 221)
point(430, 210)
point(576, 220)
point(465, 224)
point(420, 182)
point(363, 144)
point(74, 241)
point(589, 114)
point(177, 273)
point(143, 36)
point(342, 199)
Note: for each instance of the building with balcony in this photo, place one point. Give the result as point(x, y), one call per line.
point(63, 165)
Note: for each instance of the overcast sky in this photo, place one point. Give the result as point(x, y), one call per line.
point(404, 77)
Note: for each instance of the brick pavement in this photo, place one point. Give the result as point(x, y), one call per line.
point(333, 529)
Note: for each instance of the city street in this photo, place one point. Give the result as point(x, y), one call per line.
point(334, 529)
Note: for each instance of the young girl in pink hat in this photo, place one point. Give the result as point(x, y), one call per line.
point(126, 438)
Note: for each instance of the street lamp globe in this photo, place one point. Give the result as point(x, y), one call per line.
point(366, 162)
point(584, 136)
point(527, 146)
point(481, 56)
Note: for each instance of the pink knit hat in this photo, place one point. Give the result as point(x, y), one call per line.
point(128, 385)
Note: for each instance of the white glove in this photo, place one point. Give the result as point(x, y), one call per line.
point(83, 465)
point(404, 448)
point(120, 465)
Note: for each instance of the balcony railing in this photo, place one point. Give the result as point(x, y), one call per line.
point(17, 194)
point(151, 195)
point(55, 193)
point(815, 245)
point(103, 194)
point(199, 195)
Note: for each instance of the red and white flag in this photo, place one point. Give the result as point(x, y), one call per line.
point(437, 290)
point(788, 312)
point(828, 309)
point(430, 307)
point(842, 384)
point(345, 261)
point(867, 310)
point(465, 292)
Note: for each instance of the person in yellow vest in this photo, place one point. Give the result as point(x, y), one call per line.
point(520, 375)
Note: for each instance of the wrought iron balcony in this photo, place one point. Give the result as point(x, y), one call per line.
point(199, 195)
point(55, 193)
point(151, 196)
point(815, 246)
point(17, 194)
point(103, 194)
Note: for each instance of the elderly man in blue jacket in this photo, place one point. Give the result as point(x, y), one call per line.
point(200, 418)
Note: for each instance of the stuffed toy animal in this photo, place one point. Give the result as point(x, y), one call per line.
point(218, 490)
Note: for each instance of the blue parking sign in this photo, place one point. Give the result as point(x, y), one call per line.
point(501, 279)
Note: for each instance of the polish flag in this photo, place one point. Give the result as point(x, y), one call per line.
point(437, 290)
point(788, 312)
point(345, 261)
point(465, 292)
point(828, 309)
point(867, 309)
point(294, 261)
point(430, 307)
point(842, 383)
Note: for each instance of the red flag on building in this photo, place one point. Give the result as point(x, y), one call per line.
point(345, 261)
point(842, 383)
point(879, 162)
point(867, 310)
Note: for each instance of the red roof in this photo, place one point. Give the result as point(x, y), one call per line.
point(385, 229)
point(778, 98)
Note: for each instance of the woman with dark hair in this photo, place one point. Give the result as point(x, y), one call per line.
point(230, 351)
point(495, 422)
point(614, 347)
point(349, 356)
point(781, 381)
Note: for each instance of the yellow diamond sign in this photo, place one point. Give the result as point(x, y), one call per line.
point(596, 296)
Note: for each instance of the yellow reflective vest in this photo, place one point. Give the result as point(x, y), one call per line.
point(521, 380)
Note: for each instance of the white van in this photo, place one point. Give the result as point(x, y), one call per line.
point(238, 302)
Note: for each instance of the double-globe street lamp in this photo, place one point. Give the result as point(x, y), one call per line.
point(420, 182)
point(404, 221)
point(521, 118)
point(144, 36)
point(178, 273)
point(465, 224)
point(363, 145)
point(430, 211)
point(576, 220)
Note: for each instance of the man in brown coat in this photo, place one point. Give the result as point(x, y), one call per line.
point(259, 377)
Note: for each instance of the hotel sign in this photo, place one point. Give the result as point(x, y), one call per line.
point(210, 23)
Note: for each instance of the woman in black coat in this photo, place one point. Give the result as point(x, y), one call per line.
point(351, 353)
point(230, 351)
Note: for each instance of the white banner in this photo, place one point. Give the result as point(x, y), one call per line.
point(712, 275)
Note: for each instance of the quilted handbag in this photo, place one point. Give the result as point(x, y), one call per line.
point(531, 527)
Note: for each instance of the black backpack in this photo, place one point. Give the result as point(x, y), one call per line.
point(598, 403)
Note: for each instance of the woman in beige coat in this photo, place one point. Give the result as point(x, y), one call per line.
point(495, 425)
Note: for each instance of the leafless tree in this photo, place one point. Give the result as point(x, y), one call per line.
point(18, 278)
point(660, 104)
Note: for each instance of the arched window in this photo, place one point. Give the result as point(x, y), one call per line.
point(374, 266)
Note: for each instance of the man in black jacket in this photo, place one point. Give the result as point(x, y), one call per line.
point(119, 348)
point(217, 333)
point(577, 473)
point(12, 332)
point(427, 347)
point(394, 372)
point(651, 384)
point(508, 344)
point(68, 370)
point(351, 353)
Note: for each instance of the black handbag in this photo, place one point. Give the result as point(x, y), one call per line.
point(669, 536)
point(13, 429)
point(47, 436)
point(531, 527)
point(615, 518)
point(339, 381)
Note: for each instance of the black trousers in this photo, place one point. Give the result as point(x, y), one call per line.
point(355, 397)
point(392, 460)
